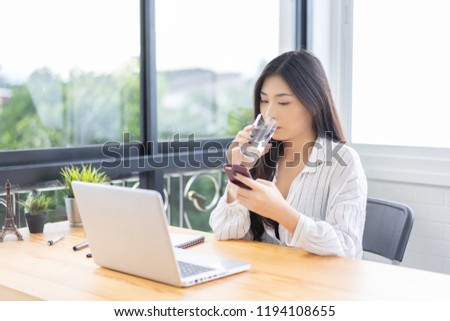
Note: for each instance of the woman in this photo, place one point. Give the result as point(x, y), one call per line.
point(310, 189)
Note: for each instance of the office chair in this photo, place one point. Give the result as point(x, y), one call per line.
point(387, 229)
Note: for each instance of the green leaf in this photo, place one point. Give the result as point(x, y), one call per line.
point(37, 204)
point(86, 173)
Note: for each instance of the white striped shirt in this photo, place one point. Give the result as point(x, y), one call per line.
point(330, 197)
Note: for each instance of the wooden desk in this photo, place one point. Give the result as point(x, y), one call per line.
point(33, 270)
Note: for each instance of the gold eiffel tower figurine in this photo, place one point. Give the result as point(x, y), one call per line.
point(10, 226)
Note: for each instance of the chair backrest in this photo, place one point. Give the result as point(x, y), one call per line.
point(387, 228)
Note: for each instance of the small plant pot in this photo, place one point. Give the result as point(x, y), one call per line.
point(36, 222)
point(73, 215)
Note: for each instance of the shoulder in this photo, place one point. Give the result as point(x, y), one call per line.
point(344, 164)
point(341, 160)
point(338, 154)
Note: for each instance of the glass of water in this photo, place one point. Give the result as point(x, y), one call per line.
point(262, 132)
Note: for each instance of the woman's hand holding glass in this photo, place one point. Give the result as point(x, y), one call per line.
point(235, 156)
point(252, 142)
point(234, 152)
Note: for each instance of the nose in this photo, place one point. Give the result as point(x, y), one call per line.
point(268, 110)
point(271, 112)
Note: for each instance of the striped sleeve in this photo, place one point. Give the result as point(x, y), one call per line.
point(342, 230)
point(229, 220)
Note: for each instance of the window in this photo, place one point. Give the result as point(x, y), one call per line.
point(71, 79)
point(391, 105)
point(400, 73)
point(69, 72)
point(208, 56)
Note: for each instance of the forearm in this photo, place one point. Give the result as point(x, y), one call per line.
point(288, 217)
point(229, 220)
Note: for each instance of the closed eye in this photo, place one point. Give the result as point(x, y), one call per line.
point(264, 101)
point(284, 104)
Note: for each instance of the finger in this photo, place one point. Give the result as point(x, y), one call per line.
point(241, 140)
point(239, 159)
point(248, 158)
point(243, 137)
point(244, 192)
point(238, 192)
point(242, 198)
point(246, 129)
point(248, 154)
point(247, 181)
point(243, 201)
point(264, 182)
point(248, 149)
point(245, 132)
point(248, 162)
point(232, 189)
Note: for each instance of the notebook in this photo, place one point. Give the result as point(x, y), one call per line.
point(183, 241)
point(128, 232)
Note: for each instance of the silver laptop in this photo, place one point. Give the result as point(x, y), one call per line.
point(127, 232)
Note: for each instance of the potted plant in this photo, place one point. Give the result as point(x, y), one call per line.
point(86, 173)
point(36, 209)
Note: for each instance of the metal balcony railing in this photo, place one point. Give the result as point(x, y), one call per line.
point(189, 198)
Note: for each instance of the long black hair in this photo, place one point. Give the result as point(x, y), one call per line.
point(304, 74)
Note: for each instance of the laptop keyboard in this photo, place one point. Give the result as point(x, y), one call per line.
point(188, 269)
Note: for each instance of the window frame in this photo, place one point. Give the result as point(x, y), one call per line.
point(34, 166)
point(403, 164)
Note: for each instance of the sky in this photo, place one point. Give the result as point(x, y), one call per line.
point(81, 34)
point(99, 35)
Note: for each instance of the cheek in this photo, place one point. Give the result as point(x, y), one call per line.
point(262, 108)
point(305, 122)
point(293, 124)
point(304, 119)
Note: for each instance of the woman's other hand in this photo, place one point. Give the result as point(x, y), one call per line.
point(265, 199)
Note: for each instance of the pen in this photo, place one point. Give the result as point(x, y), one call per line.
point(80, 246)
point(56, 239)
